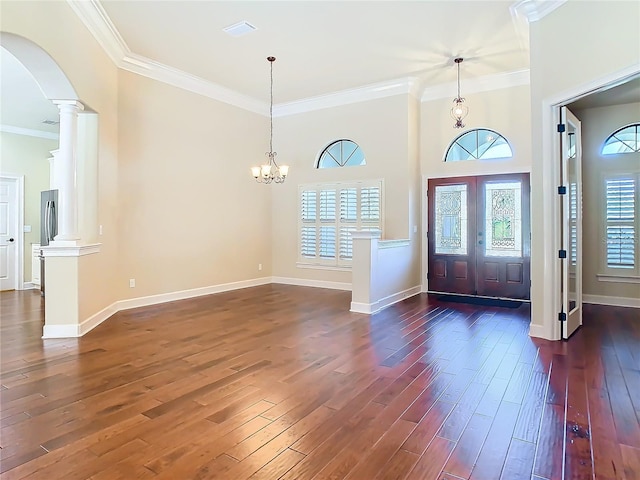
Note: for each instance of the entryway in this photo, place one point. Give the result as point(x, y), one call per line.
point(479, 237)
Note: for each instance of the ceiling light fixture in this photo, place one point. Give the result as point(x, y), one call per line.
point(459, 110)
point(270, 172)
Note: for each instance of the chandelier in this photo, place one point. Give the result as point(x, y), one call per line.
point(270, 172)
point(459, 110)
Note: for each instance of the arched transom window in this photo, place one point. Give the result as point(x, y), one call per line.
point(478, 144)
point(341, 153)
point(624, 140)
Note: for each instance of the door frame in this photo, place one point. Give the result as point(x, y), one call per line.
point(546, 298)
point(18, 268)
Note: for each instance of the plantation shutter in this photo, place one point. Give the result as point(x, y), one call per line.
point(348, 221)
point(327, 240)
point(620, 222)
point(308, 233)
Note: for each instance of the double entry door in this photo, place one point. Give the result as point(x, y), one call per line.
point(479, 236)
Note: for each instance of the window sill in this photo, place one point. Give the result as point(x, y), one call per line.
point(316, 266)
point(602, 277)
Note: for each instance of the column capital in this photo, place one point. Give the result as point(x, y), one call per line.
point(74, 104)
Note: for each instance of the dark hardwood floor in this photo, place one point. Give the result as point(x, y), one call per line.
point(282, 382)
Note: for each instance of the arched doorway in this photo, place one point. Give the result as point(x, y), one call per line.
point(69, 172)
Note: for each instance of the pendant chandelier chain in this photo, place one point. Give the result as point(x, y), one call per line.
point(271, 107)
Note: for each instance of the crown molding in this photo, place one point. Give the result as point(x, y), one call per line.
point(534, 10)
point(29, 132)
point(178, 78)
point(97, 21)
point(400, 86)
point(477, 85)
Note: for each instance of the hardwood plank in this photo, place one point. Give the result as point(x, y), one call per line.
point(519, 463)
point(305, 389)
point(431, 463)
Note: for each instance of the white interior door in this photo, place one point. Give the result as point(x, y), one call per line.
point(571, 179)
point(8, 233)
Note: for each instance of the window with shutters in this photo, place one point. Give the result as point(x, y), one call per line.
point(330, 213)
point(621, 225)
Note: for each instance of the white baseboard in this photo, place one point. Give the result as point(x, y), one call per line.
point(184, 294)
point(302, 282)
point(359, 307)
point(61, 331)
point(538, 331)
point(369, 308)
point(94, 320)
point(613, 301)
point(30, 286)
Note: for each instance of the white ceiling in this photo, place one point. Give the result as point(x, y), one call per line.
point(321, 47)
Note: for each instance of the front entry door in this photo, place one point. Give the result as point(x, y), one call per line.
point(479, 236)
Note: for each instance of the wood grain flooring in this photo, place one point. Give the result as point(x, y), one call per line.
point(282, 382)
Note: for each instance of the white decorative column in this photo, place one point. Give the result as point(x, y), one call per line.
point(67, 187)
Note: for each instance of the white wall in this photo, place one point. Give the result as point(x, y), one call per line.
point(577, 47)
point(597, 125)
point(190, 213)
point(383, 129)
point(28, 156)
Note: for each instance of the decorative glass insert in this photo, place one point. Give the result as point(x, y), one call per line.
point(503, 214)
point(478, 144)
point(341, 153)
point(451, 219)
point(624, 140)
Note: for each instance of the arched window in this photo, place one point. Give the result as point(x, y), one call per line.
point(478, 144)
point(624, 140)
point(341, 153)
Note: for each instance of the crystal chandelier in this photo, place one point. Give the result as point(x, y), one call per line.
point(270, 172)
point(459, 110)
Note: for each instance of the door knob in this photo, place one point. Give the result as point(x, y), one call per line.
point(480, 242)
point(11, 239)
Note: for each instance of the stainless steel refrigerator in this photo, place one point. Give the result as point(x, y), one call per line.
point(48, 225)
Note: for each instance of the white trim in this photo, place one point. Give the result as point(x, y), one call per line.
point(538, 331)
point(97, 21)
point(94, 320)
point(486, 83)
point(548, 302)
point(172, 76)
point(603, 277)
point(29, 132)
point(303, 282)
point(185, 294)
point(371, 308)
point(399, 86)
point(534, 10)
point(614, 301)
point(53, 250)
point(29, 286)
point(95, 18)
point(319, 266)
point(68, 330)
point(382, 244)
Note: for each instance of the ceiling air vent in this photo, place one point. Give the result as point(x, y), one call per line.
point(51, 122)
point(239, 29)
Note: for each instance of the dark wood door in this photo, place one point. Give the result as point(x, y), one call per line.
point(452, 237)
point(479, 236)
